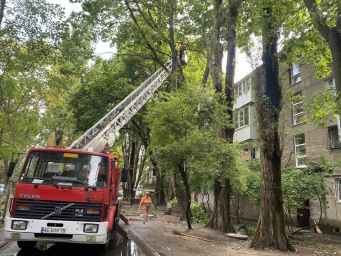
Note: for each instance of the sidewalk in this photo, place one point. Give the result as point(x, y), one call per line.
point(2, 242)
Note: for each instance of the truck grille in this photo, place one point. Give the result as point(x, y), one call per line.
point(44, 210)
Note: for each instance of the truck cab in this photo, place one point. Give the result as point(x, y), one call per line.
point(65, 195)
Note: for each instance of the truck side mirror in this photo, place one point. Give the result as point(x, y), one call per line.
point(124, 175)
point(11, 169)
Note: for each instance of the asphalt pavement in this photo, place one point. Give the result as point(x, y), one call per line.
point(127, 248)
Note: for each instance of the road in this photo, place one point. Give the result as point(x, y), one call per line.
point(63, 249)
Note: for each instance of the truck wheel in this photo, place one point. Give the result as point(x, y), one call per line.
point(112, 241)
point(25, 245)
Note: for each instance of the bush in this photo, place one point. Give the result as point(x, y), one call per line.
point(249, 231)
point(198, 215)
point(174, 202)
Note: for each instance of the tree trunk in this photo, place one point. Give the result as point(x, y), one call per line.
point(2, 10)
point(160, 195)
point(59, 136)
point(172, 46)
point(206, 74)
point(136, 162)
point(171, 194)
point(270, 230)
point(184, 177)
point(131, 170)
point(216, 49)
point(141, 168)
point(234, 6)
point(221, 191)
point(225, 207)
point(215, 64)
point(213, 221)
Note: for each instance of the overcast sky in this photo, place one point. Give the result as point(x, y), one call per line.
point(243, 67)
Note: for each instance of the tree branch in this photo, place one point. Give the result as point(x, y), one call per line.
point(153, 26)
point(323, 29)
point(145, 38)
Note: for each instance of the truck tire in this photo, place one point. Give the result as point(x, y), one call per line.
point(26, 245)
point(112, 242)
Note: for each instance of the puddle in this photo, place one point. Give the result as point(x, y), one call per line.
point(126, 248)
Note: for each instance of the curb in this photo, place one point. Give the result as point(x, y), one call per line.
point(3, 243)
point(140, 242)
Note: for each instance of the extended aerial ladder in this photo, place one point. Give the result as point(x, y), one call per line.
point(103, 133)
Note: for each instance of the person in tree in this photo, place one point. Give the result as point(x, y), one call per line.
point(146, 203)
point(182, 49)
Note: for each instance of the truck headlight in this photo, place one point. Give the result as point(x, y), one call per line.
point(90, 228)
point(19, 225)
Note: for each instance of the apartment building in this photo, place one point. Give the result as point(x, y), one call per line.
point(302, 142)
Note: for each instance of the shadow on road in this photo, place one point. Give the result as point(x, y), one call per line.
point(125, 248)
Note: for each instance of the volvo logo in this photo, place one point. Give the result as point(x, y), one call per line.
point(30, 196)
point(58, 210)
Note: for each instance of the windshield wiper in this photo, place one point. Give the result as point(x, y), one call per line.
point(79, 182)
point(44, 179)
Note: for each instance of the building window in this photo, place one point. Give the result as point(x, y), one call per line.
point(297, 108)
point(253, 153)
point(338, 190)
point(333, 137)
point(330, 85)
point(242, 88)
point(295, 74)
point(242, 117)
point(300, 150)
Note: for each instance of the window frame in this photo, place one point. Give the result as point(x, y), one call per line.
point(330, 129)
point(294, 104)
point(294, 76)
point(239, 88)
point(333, 87)
point(338, 190)
point(237, 116)
point(300, 156)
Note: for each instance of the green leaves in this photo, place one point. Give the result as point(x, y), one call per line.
point(183, 130)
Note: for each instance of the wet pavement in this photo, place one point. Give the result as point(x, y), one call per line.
point(124, 248)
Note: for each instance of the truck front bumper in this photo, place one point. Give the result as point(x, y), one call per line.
point(74, 232)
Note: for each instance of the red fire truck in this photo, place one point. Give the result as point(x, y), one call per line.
point(70, 195)
point(65, 196)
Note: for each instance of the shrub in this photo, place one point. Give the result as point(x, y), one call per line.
point(174, 202)
point(198, 215)
point(249, 231)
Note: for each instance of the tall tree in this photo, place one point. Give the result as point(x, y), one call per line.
point(30, 32)
point(270, 230)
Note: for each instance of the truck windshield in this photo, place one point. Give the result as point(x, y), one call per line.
point(62, 168)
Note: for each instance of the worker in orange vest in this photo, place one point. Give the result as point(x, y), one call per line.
point(146, 203)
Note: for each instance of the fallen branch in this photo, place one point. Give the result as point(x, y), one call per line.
point(181, 234)
point(298, 230)
point(138, 219)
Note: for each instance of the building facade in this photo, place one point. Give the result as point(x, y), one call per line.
point(302, 143)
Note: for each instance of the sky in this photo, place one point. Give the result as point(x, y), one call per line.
point(243, 66)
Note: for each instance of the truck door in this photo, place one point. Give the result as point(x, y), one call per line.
point(112, 184)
